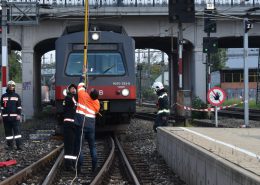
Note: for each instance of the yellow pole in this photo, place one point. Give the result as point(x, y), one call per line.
point(86, 42)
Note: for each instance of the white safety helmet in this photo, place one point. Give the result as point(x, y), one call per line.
point(11, 82)
point(157, 86)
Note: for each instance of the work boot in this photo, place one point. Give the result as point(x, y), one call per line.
point(94, 168)
point(19, 148)
point(69, 168)
point(9, 147)
point(79, 170)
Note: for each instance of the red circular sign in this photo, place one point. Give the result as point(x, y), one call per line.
point(216, 96)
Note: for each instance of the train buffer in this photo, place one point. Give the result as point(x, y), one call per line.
point(214, 155)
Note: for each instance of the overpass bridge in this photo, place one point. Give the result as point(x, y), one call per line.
point(144, 20)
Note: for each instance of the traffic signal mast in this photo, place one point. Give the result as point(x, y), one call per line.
point(210, 44)
point(181, 11)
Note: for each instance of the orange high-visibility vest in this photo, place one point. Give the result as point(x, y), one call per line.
point(86, 106)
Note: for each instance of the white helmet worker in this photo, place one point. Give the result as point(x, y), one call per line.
point(11, 83)
point(157, 86)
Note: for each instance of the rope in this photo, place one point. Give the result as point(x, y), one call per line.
point(207, 109)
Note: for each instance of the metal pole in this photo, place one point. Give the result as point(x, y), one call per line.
point(180, 48)
point(216, 116)
point(4, 47)
point(246, 113)
point(162, 68)
point(140, 85)
point(172, 96)
point(149, 67)
point(208, 68)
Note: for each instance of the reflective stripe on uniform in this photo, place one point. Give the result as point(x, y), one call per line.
point(85, 114)
point(19, 107)
point(17, 136)
point(86, 108)
point(5, 99)
point(163, 111)
point(9, 137)
point(4, 115)
point(70, 157)
point(74, 101)
point(14, 98)
point(162, 95)
point(68, 119)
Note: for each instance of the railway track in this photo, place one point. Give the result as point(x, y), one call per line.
point(115, 169)
point(33, 170)
point(254, 114)
point(117, 165)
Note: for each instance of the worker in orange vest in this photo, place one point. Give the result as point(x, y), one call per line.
point(87, 107)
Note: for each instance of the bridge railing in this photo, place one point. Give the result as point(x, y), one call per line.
point(137, 3)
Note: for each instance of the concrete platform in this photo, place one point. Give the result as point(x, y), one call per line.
point(212, 156)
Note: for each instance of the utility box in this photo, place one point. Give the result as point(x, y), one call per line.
point(184, 99)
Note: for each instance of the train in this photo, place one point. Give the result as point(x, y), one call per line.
point(110, 70)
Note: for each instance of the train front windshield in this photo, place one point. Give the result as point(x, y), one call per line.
point(99, 64)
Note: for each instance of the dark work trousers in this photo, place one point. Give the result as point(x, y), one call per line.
point(89, 134)
point(13, 132)
point(69, 144)
point(161, 120)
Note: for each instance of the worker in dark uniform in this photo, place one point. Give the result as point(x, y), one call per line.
point(11, 114)
point(87, 108)
point(163, 106)
point(69, 107)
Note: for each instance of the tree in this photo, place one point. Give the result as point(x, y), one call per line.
point(218, 60)
point(15, 67)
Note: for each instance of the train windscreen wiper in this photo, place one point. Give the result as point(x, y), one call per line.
point(108, 69)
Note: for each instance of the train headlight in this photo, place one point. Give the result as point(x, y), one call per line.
point(125, 92)
point(95, 36)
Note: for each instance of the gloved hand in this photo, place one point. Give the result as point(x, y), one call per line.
point(18, 117)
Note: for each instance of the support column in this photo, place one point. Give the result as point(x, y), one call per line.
point(199, 73)
point(28, 83)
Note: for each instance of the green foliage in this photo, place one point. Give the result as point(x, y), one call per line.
point(218, 60)
point(197, 103)
point(149, 95)
point(252, 103)
point(155, 70)
point(15, 67)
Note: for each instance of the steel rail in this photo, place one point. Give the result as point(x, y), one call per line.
point(22, 175)
point(98, 178)
point(129, 167)
point(51, 176)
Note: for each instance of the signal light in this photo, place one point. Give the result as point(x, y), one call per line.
point(181, 11)
point(248, 26)
point(210, 25)
point(210, 44)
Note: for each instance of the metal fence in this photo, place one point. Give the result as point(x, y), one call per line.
point(137, 3)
